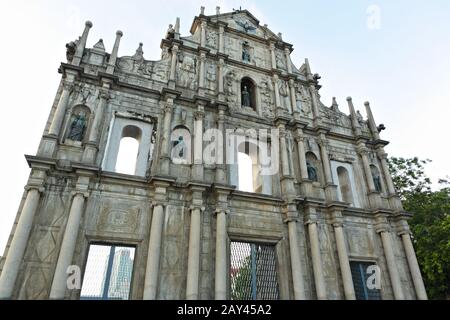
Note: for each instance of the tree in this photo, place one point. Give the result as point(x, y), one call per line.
point(430, 224)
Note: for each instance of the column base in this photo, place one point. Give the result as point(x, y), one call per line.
point(197, 172)
point(375, 200)
point(89, 153)
point(47, 147)
point(331, 192)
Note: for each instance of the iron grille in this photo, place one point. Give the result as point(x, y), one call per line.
point(360, 276)
point(108, 273)
point(253, 272)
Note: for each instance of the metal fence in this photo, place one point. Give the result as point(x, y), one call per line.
point(108, 273)
point(253, 272)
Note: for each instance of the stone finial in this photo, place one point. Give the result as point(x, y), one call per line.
point(217, 10)
point(202, 10)
point(280, 35)
point(177, 25)
point(119, 33)
point(349, 99)
point(334, 105)
point(88, 24)
point(99, 45)
point(266, 25)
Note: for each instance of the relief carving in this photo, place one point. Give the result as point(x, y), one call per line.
point(119, 220)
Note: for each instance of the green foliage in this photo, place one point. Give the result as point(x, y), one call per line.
point(430, 223)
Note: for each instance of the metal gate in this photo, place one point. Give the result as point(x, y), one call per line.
point(253, 272)
point(108, 273)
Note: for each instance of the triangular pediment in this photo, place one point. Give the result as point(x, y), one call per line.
point(243, 21)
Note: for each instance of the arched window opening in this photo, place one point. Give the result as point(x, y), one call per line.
point(248, 94)
point(128, 150)
point(345, 185)
point(249, 169)
point(245, 172)
point(376, 178)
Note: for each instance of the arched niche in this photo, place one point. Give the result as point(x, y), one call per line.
point(313, 166)
point(78, 124)
point(248, 94)
point(376, 178)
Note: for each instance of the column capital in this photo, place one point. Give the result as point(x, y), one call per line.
point(382, 224)
point(68, 85)
point(155, 203)
point(402, 227)
point(197, 206)
point(104, 94)
point(83, 193)
point(221, 210)
point(381, 153)
point(336, 219)
point(199, 115)
point(310, 218)
point(38, 188)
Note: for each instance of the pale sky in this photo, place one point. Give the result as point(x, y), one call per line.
point(402, 67)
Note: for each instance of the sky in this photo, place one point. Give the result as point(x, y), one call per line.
point(393, 53)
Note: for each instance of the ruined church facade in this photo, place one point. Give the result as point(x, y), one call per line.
point(311, 229)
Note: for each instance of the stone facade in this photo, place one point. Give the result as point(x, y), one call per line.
point(331, 202)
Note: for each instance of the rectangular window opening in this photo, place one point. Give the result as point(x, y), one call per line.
point(253, 272)
point(360, 276)
point(108, 273)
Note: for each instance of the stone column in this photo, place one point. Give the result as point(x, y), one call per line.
point(319, 280)
point(201, 79)
point(18, 245)
point(203, 34)
point(194, 254)
point(301, 154)
point(315, 104)
point(221, 255)
point(368, 173)
point(383, 230)
point(416, 276)
point(287, 53)
point(154, 253)
point(198, 144)
point(173, 64)
point(220, 166)
point(292, 95)
point(385, 167)
point(284, 152)
point(220, 75)
point(81, 44)
point(221, 39)
point(60, 111)
point(113, 57)
point(272, 55)
point(165, 159)
point(325, 160)
point(349, 290)
point(68, 244)
point(296, 265)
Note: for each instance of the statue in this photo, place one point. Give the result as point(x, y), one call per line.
point(245, 53)
point(170, 32)
point(245, 97)
point(377, 182)
point(77, 127)
point(312, 173)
